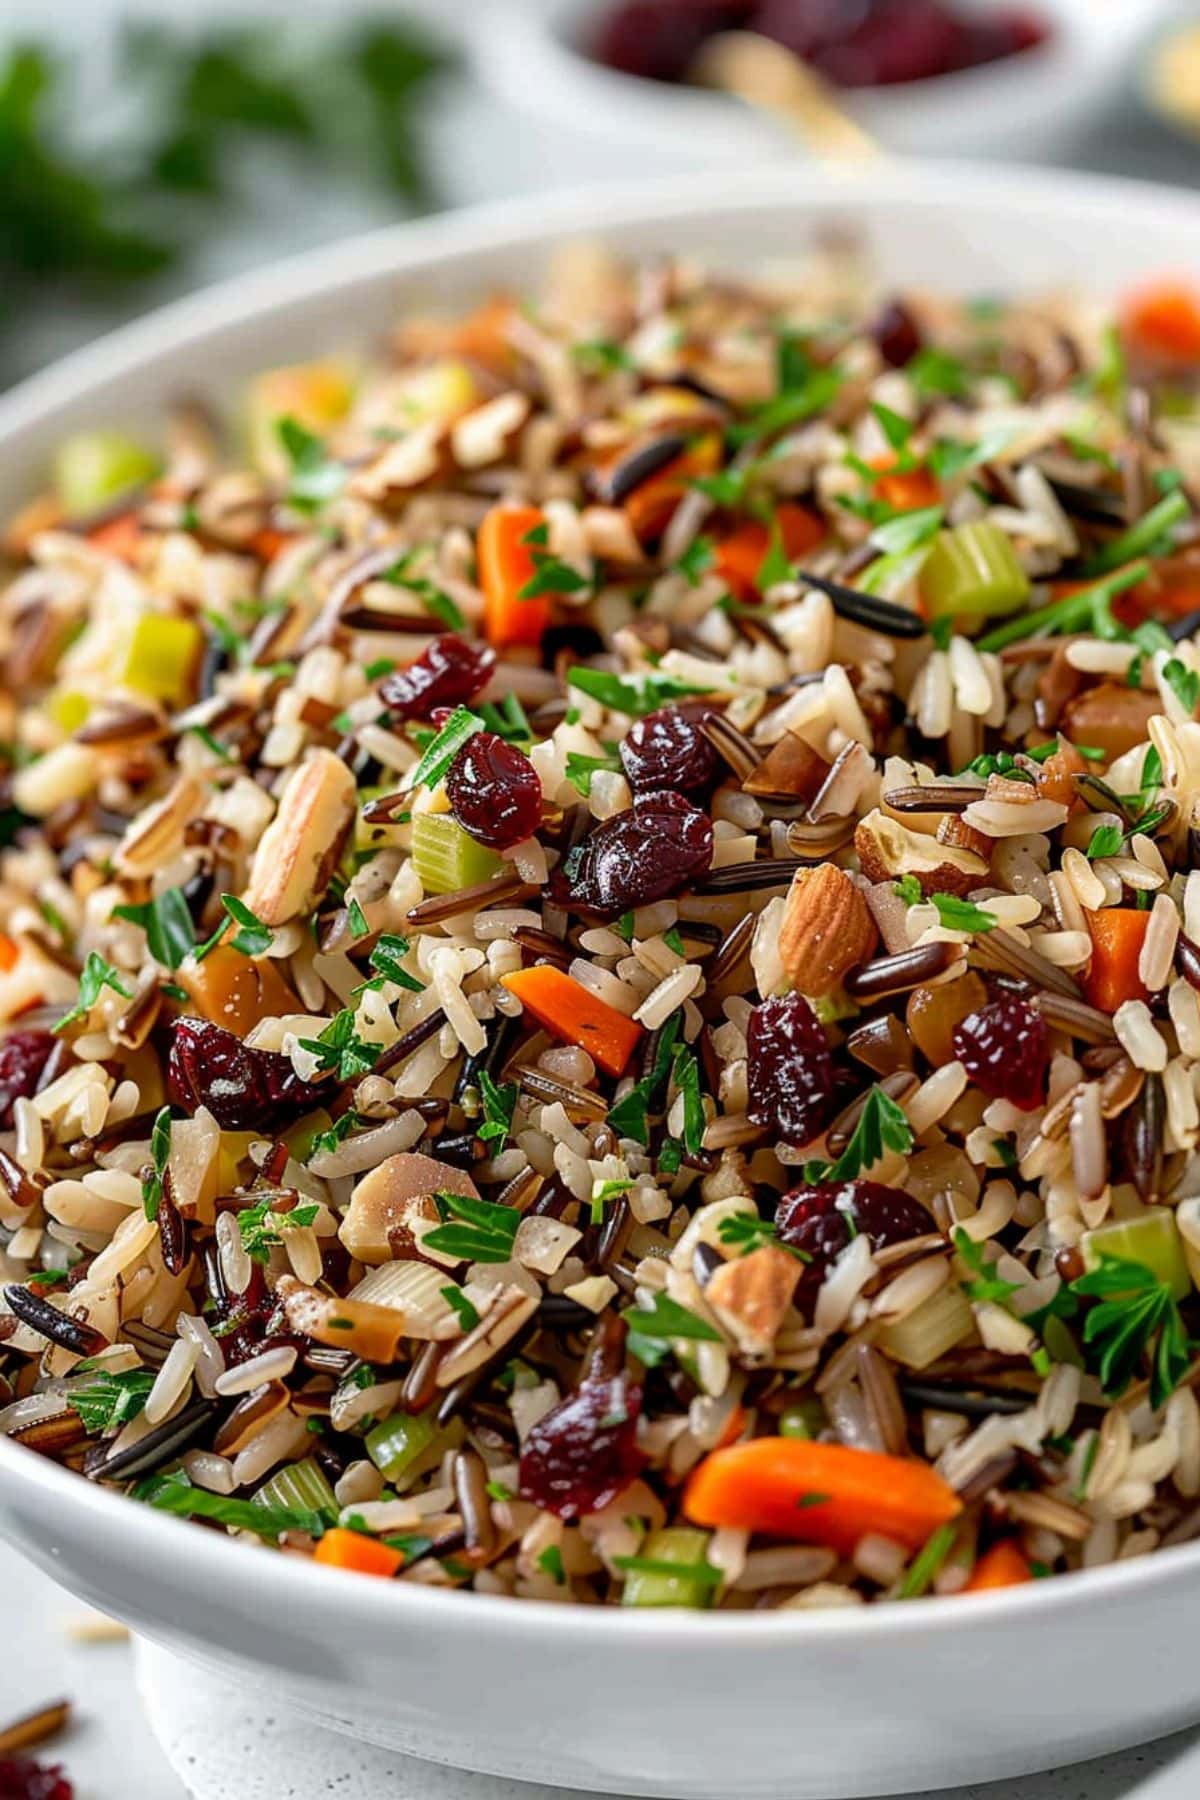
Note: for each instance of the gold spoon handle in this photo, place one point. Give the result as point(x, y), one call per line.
point(771, 79)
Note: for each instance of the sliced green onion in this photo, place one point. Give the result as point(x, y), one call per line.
point(671, 1570)
point(1142, 538)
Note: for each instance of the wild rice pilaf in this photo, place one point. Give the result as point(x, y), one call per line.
point(602, 965)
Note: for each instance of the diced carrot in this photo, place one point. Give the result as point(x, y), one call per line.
point(117, 537)
point(9, 954)
point(577, 1016)
point(506, 565)
point(482, 336)
point(1118, 933)
point(649, 507)
point(1163, 320)
point(340, 1549)
point(905, 489)
point(1004, 1565)
point(268, 541)
point(819, 1493)
point(739, 556)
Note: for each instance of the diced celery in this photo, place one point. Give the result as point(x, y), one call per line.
point(396, 1445)
point(317, 395)
point(93, 468)
point(299, 1484)
point(803, 1420)
point(68, 708)
point(934, 1327)
point(446, 857)
point(973, 571)
point(162, 654)
point(645, 1586)
point(1151, 1239)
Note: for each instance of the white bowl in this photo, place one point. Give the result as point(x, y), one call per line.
point(822, 1705)
point(534, 53)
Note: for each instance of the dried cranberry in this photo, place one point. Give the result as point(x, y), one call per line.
point(896, 333)
point(789, 1069)
point(450, 672)
point(494, 791)
point(584, 1452)
point(657, 39)
point(821, 1217)
point(1004, 1049)
point(653, 850)
point(23, 1056)
point(243, 1088)
point(667, 749)
point(21, 1778)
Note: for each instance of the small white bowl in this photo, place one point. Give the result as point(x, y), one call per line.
point(812, 1706)
point(534, 54)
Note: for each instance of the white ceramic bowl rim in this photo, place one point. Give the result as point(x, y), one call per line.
point(301, 281)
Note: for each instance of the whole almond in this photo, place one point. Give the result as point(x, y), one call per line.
point(827, 929)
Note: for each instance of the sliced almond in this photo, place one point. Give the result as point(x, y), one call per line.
point(372, 1332)
point(751, 1295)
point(886, 850)
point(299, 849)
point(827, 929)
point(390, 1203)
point(954, 830)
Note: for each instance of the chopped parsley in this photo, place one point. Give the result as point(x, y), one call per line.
point(934, 371)
point(340, 1048)
point(175, 1494)
point(1106, 840)
point(356, 919)
point(685, 1072)
point(1135, 1315)
point(95, 976)
point(550, 574)
point(454, 1297)
point(160, 1151)
point(211, 743)
point(653, 1330)
point(499, 1104)
point(628, 1116)
point(338, 1132)
point(696, 560)
point(472, 1230)
point(167, 924)
point(601, 356)
point(105, 1402)
point(1183, 682)
point(984, 1284)
point(261, 1229)
point(550, 1562)
point(882, 1125)
point(603, 1192)
point(316, 477)
point(925, 1566)
point(745, 1232)
point(908, 530)
point(432, 598)
point(386, 958)
point(651, 692)
point(580, 769)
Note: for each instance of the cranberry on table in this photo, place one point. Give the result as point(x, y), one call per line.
point(584, 1452)
point(668, 749)
point(789, 1069)
point(21, 1778)
point(243, 1088)
point(647, 853)
point(494, 791)
point(450, 672)
point(657, 39)
point(1005, 1050)
point(821, 1217)
point(23, 1056)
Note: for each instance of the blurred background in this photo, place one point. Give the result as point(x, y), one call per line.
point(149, 148)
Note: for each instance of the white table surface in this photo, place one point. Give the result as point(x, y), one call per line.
point(110, 1751)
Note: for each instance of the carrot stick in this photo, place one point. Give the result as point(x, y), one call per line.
point(506, 565)
point(649, 507)
point(739, 556)
point(9, 954)
point(117, 537)
point(1004, 1565)
point(340, 1549)
point(819, 1493)
point(268, 541)
point(906, 489)
point(1118, 933)
point(568, 1009)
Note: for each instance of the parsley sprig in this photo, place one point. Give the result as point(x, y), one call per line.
point(262, 1228)
point(882, 1125)
point(472, 1230)
point(1136, 1316)
point(653, 1329)
point(107, 1401)
point(160, 1152)
point(167, 923)
point(95, 976)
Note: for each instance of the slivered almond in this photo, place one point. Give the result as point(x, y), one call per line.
point(827, 929)
point(886, 850)
point(299, 849)
point(954, 830)
point(392, 1199)
point(372, 1332)
point(751, 1295)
